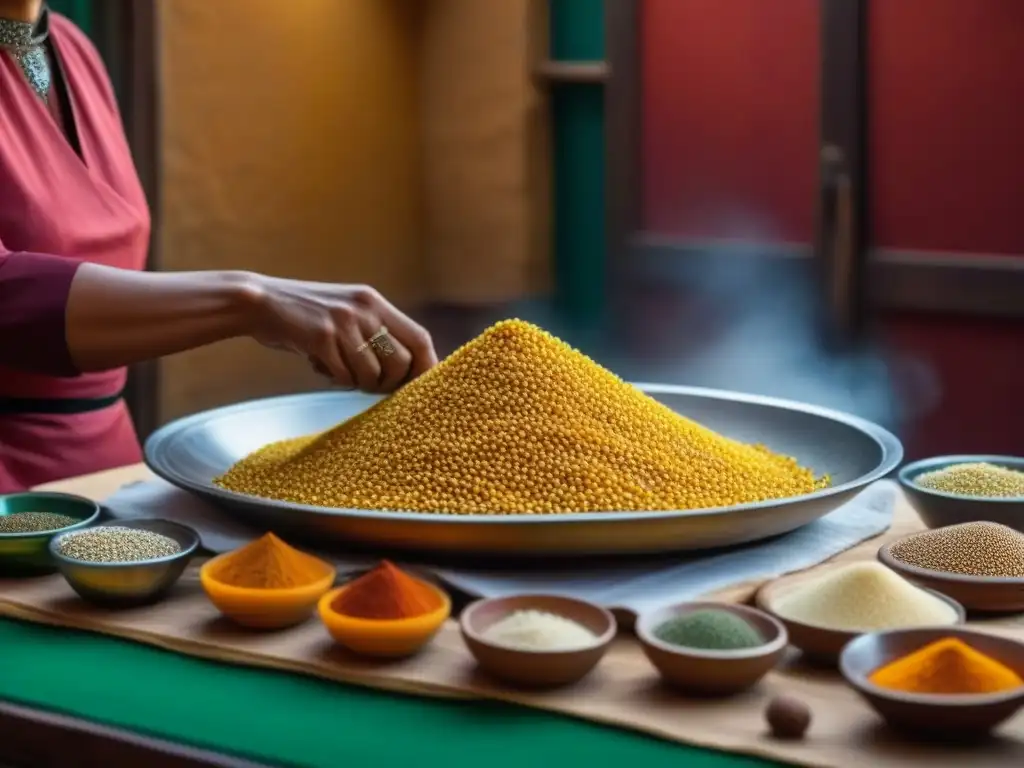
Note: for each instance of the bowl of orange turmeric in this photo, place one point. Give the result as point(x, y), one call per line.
point(948, 683)
point(266, 584)
point(385, 613)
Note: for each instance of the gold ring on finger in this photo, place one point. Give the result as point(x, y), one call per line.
point(381, 343)
point(372, 340)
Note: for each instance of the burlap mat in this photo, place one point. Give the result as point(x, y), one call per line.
point(623, 691)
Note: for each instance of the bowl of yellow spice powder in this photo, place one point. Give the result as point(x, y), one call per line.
point(266, 584)
point(946, 490)
point(939, 682)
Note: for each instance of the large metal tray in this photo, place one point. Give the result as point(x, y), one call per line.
point(191, 452)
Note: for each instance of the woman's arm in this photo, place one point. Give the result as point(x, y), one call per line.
point(60, 317)
point(117, 317)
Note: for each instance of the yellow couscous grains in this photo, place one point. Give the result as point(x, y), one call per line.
point(518, 422)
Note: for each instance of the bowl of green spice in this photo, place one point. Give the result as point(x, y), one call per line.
point(711, 649)
point(124, 564)
point(946, 490)
point(28, 521)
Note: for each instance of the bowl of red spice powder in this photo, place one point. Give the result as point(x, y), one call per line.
point(385, 612)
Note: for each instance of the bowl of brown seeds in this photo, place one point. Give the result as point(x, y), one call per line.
point(947, 490)
point(29, 520)
point(978, 564)
point(124, 564)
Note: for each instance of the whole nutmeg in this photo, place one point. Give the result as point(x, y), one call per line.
point(787, 717)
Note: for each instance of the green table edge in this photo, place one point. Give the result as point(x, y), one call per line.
point(279, 718)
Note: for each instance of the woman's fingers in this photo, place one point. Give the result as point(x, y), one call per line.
point(325, 352)
point(328, 361)
point(318, 366)
point(321, 369)
point(412, 336)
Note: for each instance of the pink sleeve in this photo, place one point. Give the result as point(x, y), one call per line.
point(34, 292)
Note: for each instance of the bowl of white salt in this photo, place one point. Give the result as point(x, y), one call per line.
point(537, 641)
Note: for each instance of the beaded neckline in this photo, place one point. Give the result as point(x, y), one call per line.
point(25, 42)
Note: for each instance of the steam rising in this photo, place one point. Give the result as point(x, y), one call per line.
point(758, 328)
point(771, 344)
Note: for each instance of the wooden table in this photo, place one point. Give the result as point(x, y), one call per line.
point(71, 698)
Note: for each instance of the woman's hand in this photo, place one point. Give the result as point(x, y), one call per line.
point(117, 317)
point(332, 324)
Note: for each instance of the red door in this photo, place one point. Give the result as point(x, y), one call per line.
point(730, 149)
point(947, 162)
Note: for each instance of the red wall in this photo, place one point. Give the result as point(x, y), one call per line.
point(947, 134)
point(730, 118)
point(730, 144)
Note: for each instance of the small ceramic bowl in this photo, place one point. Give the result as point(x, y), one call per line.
point(384, 639)
point(266, 608)
point(707, 672)
point(929, 715)
point(939, 509)
point(129, 584)
point(536, 669)
point(990, 594)
point(821, 645)
point(28, 553)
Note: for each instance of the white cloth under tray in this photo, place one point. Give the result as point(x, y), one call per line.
point(629, 585)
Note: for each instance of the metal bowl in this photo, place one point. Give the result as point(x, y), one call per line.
point(191, 452)
point(939, 509)
point(126, 585)
point(27, 554)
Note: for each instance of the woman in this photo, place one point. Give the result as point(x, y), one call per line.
point(75, 309)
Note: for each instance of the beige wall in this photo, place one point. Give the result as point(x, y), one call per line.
point(400, 143)
point(291, 146)
point(486, 163)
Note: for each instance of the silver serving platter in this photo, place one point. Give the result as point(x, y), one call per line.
point(191, 452)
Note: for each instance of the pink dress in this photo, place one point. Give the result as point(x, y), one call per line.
point(59, 208)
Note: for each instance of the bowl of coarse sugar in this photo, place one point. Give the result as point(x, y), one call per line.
point(946, 490)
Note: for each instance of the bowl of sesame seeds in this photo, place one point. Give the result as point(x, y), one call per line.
point(978, 564)
point(28, 521)
point(124, 564)
point(946, 490)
